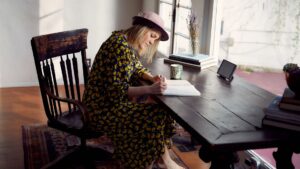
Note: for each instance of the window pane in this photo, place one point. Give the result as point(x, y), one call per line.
point(167, 1)
point(185, 3)
point(181, 21)
point(181, 44)
point(181, 41)
point(165, 11)
point(164, 46)
point(262, 34)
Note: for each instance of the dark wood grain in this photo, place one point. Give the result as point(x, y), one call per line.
point(71, 42)
point(227, 116)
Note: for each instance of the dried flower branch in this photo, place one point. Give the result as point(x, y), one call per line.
point(193, 28)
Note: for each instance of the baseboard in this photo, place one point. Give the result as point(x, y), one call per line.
point(27, 84)
point(18, 84)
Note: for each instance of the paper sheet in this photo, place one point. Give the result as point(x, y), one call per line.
point(180, 88)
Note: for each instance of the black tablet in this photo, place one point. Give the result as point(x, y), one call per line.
point(226, 70)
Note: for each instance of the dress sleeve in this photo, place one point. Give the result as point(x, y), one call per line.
point(119, 69)
point(140, 69)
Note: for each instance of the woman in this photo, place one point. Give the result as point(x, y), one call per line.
point(140, 131)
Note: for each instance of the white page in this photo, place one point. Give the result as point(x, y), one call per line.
point(180, 88)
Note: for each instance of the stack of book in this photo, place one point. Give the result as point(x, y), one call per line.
point(200, 61)
point(289, 102)
point(283, 112)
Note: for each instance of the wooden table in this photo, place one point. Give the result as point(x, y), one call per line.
point(226, 117)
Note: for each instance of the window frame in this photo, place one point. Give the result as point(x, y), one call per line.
point(211, 26)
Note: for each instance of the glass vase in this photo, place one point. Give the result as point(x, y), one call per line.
point(195, 46)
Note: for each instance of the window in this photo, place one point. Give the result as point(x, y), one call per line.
point(260, 34)
point(175, 14)
point(176, 25)
point(166, 12)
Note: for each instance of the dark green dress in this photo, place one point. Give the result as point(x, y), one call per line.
point(139, 131)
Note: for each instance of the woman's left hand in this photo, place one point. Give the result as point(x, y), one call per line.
point(158, 78)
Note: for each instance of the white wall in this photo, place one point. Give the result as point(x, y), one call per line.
point(23, 19)
point(19, 22)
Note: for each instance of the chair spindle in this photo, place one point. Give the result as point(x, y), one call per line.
point(70, 77)
point(75, 66)
point(55, 88)
point(63, 71)
point(47, 74)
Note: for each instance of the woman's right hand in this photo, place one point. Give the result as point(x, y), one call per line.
point(158, 87)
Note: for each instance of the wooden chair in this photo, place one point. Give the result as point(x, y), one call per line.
point(57, 58)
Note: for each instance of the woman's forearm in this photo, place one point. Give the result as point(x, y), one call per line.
point(157, 87)
point(148, 76)
point(138, 90)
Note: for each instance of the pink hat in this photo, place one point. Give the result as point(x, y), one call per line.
point(151, 20)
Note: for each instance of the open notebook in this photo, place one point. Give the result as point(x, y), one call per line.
point(180, 88)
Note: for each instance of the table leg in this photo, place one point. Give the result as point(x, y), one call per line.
point(283, 157)
point(219, 160)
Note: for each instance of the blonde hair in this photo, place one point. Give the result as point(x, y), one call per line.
point(134, 34)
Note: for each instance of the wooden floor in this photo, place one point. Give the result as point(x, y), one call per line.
point(18, 106)
point(21, 106)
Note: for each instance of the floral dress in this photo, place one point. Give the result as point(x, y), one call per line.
point(139, 131)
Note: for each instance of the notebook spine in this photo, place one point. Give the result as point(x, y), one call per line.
point(196, 62)
point(182, 63)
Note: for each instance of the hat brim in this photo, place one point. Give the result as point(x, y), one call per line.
point(137, 20)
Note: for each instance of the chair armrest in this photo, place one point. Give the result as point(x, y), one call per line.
point(82, 108)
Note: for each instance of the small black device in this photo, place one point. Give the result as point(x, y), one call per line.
point(226, 70)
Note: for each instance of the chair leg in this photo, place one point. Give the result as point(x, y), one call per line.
point(83, 143)
point(62, 160)
point(81, 155)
